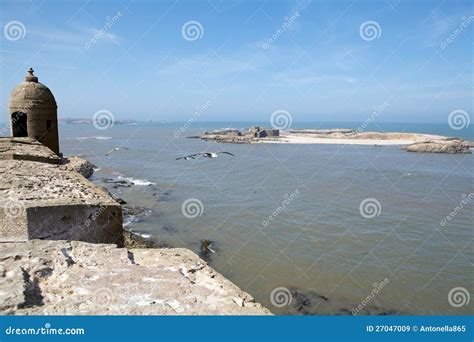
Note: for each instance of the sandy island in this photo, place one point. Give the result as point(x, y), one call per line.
point(411, 142)
point(351, 137)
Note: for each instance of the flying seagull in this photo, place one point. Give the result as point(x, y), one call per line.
point(186, 158)
point(116, 149)
point(214, 154)
point(205, 155)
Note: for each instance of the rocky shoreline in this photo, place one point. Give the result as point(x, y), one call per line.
point(41, 277)
point(64, 249)
point(80, 165)
point(411, 142)
point(446, 146)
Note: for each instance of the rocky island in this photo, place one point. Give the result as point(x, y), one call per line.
point(411, 142)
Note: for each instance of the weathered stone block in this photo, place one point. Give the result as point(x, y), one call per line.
point(26, 149)
point(40, 277)
point(81, 222)
point(41, 201)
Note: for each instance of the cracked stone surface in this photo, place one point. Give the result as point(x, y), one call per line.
point(26, 149)
point(72, 278)
point(40, 183)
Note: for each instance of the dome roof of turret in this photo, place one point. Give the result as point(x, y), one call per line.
point(32, 94)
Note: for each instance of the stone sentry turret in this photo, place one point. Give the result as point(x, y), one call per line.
point(33, 112)
point(41, 199)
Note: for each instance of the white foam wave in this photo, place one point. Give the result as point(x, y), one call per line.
point(129, 220)
point(134, 181)
point(95, 137)
point(143, 235)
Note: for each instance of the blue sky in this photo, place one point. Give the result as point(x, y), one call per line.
point(247, 62)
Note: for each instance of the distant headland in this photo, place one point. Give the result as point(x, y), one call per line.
point(79, 121)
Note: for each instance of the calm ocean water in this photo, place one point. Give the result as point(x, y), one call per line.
point(316, 243)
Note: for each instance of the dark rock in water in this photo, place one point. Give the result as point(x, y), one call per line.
point(304, 303)
point(301, 302)
point(122, 185)
point(388, 312)
point(344, 312)
point(312, 303)
point(323, 298)
point(132, 240)
point(206, 249)
point(134, 214)
point(136, 211)
point(114, 196)
point(440, 146)
point(120, 201)
point(117, 183)
point(376, 311)
point(163, 196)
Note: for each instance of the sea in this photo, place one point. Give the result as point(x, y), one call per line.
point(304, 229)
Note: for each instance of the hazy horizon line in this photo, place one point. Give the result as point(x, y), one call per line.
point(257, 121)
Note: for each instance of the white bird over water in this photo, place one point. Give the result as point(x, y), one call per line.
point(186, 158)
point(116, 149)
point(205, 155)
